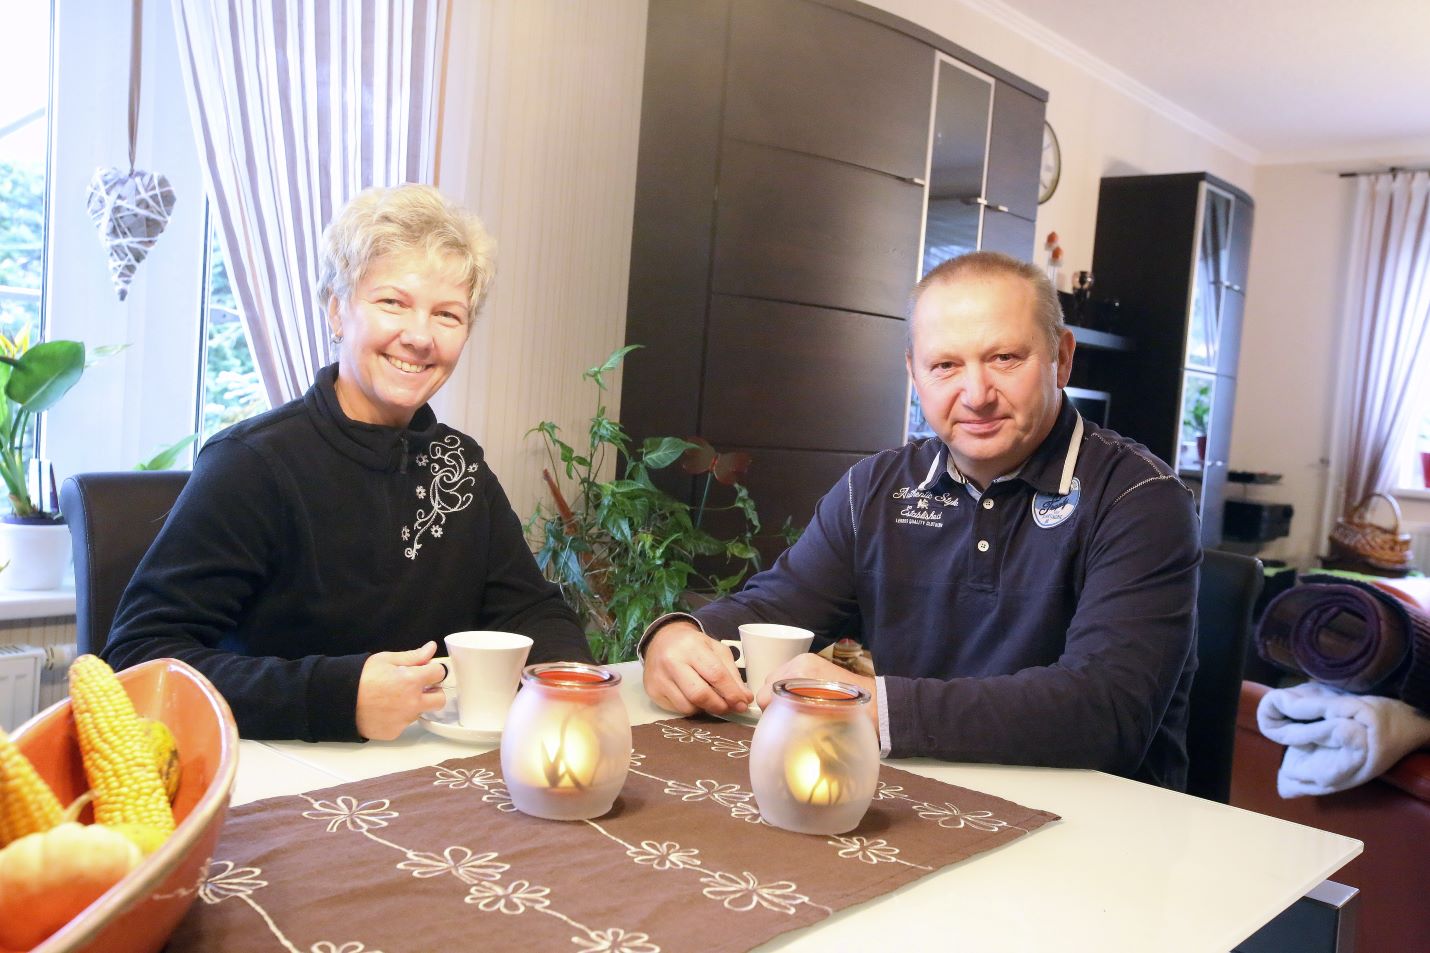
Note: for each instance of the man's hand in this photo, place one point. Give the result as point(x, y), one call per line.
point(687, 671)
point(810, 665)
point(396, 687)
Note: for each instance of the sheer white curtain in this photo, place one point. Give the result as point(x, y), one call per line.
point(300, 104)
point(1387, 334)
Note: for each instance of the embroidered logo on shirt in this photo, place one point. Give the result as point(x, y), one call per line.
point(448, 492)
point(1049, 510)
point(927, 508)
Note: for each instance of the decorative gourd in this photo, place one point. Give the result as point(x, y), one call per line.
point(48, 878)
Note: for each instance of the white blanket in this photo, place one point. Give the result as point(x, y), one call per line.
point(1335, 740)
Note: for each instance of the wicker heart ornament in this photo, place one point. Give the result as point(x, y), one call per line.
point(130, 209)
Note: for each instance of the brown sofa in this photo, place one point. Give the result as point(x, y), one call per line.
point(1391, 815)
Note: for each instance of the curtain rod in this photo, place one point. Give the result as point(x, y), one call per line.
point(1392, 170)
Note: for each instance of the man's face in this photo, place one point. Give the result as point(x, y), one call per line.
point(984, 372)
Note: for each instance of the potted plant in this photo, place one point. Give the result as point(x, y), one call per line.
point(1197, 417)
point(624, 551)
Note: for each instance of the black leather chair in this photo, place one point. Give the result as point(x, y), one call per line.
point(113, 517)
point(1227, 595)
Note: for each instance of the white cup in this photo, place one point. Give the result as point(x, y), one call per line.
point(487, 666)
point(765, 646)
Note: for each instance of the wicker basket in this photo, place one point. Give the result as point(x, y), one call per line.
point(1356, 539)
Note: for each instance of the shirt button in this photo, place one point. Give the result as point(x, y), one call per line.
point(983, 545)
point(987, 503)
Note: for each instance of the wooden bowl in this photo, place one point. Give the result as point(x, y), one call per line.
point(137, 914)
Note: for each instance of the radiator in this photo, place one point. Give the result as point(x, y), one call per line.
point(1419, 546)
point(20, 667)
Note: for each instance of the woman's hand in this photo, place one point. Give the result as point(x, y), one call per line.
point(396, 687)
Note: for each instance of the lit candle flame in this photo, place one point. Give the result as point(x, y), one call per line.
point(818, 774)
point(568, 754)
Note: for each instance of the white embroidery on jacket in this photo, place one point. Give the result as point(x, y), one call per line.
point(449, 491)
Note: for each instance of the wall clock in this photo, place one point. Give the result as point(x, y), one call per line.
point(1052, 168)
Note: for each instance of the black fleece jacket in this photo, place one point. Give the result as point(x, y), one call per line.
point(305, 541)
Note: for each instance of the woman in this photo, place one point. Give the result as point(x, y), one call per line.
point(320, 550)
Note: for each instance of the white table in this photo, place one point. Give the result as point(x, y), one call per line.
point(1130, 867)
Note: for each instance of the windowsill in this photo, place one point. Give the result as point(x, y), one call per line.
point(1411, 493)
point(36, 603)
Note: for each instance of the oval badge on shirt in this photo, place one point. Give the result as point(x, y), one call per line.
point(1050, 510)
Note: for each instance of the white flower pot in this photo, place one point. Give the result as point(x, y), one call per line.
point(37, 553)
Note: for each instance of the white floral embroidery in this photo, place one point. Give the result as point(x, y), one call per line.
point(726, 795)
point(866, 850)
point(464, 777)
point(951, 817)
point(406, 534)
point(887, 791)
point(352, 946)
point(449, 492)
point(730, 748)
point(422, 459)
point(224, 880)
point(347, 812)
point(665, 855)
point(459, 861)
point(499, 796)
point(512, 899)
point(684, 736)
point(743, 892)
point(748, 813)
point(615, 940)
point(637, 758)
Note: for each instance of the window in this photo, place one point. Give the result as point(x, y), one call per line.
point(24, 137)
point(230, 389)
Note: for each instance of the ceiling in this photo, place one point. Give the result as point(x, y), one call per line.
point(1287, 80)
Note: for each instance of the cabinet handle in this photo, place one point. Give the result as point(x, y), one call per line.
point(980, 200)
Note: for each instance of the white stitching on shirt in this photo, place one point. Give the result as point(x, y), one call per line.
point(451, 476)
point(1156, 465)
point(849, 482)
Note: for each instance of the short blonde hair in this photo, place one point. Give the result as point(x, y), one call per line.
point(384, 221)
point(986, 264)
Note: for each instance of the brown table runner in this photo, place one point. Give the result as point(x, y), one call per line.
point(438, 859)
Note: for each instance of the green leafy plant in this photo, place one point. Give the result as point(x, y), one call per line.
point(34, 379)
point(623, 550)
point(1199, 409)
point(165, 458)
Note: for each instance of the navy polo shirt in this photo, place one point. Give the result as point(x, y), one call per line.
point(1049, 621)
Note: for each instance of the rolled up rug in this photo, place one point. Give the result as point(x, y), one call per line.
point(1351, 636)
point(1336, 740)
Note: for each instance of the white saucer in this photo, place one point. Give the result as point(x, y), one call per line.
point(750, 716)
point(445, 723)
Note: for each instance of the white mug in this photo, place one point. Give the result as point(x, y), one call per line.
point(765, 646)
point(487, 666)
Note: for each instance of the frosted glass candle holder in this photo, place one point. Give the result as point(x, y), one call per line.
point(814, 760)
point(566, 747)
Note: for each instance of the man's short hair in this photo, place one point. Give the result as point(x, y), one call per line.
point(986, 264)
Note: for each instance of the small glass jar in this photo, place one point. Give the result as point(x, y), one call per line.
point(814, 760)
point(566, 747)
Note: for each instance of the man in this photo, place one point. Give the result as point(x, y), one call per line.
point(1026, 582)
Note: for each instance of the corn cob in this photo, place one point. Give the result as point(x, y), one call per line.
point(118, 758)
point(27, 805)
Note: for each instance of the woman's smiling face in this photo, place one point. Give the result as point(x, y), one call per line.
point(403, 329)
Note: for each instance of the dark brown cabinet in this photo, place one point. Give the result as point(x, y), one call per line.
point(1174, 249)
point(781, 198)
